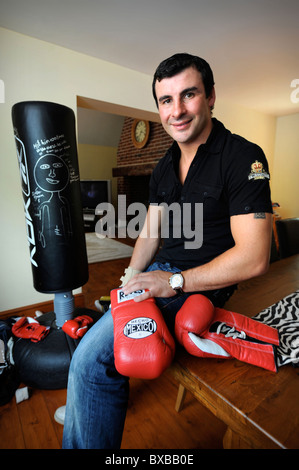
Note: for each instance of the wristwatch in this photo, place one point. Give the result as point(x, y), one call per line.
point(176, 282)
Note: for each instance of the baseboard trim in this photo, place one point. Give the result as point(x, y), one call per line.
point(44, 307)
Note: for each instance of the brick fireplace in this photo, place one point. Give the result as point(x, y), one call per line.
point(134, 166)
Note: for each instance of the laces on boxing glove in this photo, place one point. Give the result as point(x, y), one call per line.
point(229, 331)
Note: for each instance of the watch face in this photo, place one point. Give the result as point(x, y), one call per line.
point(140, 131)
point(176, 281)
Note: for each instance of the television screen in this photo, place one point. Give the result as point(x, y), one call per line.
point(94, 192)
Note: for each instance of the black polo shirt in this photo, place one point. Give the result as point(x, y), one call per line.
point(229, 176)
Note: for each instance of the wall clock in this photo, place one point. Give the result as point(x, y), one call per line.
point(140, 132)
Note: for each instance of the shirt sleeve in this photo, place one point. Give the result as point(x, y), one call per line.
point(248, 179)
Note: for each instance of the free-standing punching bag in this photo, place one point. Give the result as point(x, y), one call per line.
point(45, 138)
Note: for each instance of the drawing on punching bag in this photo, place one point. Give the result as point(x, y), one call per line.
point(51, 175)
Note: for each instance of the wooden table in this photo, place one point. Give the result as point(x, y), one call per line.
point(260, 408)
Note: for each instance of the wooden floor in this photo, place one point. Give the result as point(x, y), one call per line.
point(152, 422)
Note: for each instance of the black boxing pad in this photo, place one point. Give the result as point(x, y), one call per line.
point(47, 155)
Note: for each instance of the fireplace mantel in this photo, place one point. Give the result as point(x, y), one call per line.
point(139, 169)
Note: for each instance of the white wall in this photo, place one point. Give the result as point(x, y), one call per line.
point(286, 166)
point(253, 125)
point(36, 70)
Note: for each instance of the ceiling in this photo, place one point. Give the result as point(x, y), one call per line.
point(251, 45)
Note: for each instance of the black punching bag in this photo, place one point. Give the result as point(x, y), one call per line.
point(46, 145)
point(45, 138)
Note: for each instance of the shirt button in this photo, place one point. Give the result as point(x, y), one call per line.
point(247, 208)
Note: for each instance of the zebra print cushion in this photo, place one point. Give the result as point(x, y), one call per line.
point(284, 316)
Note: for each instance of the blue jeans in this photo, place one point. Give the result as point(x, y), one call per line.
point(97, 395)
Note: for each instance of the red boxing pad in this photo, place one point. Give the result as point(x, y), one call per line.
point(77, 327)
point(30, 330)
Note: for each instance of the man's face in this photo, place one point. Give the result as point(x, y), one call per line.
point(184, 109)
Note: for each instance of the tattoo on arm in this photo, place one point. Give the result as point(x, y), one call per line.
point(259, 215)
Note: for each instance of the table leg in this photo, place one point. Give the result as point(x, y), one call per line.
point(232, 440)
point(180, 398)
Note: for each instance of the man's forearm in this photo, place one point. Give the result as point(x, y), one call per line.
point(248, 258)
point(143, 253)
point(225, 270)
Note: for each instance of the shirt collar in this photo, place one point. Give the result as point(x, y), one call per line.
point(214, 143)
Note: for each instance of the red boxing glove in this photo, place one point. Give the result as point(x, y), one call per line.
point(30, 330)
point(143, 346)
point(191, 323)
point(77, 327)
point(206, 331)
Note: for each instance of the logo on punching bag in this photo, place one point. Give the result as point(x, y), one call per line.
point(140, 328)
point(22, 160)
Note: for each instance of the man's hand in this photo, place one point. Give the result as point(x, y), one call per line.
point(155, 281)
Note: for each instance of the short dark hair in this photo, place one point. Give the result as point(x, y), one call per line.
point(179, 62)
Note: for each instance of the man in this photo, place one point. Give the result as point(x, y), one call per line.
point(206, 165)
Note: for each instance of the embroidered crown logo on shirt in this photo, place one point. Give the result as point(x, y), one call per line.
point(258, 172)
